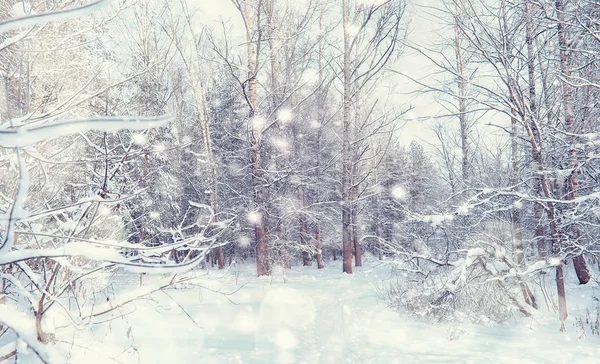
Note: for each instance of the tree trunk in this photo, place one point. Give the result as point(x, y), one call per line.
point(562, 298)
point(378, 231)
point(214, 185)
point(5, 270)
point(260, 235)
point(262, 264)
point(319, 255)
point(581, 268)
point(41, 335)
point(555, 240)
point(462, 100)
point(516, 216)
point(346, 158)
point(560, 282)
point(306, 258)
point(536, 141)
point(220, 257)
point(285, 259)
point(533, 124)
point(357, 253)
point(321, 119)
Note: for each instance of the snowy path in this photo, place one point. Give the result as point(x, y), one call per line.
point(318, 317)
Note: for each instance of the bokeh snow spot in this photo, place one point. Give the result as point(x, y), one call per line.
point(104, 210)
point(258, 122)
point(285, 339)
point(398, 192)
point(254, 217)
point(140, 139)
point(243, 241)
point(285, 115)
point(245, 322)
point(159, 148)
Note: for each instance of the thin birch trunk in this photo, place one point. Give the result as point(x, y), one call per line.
point(346, 158)
point(581, 267)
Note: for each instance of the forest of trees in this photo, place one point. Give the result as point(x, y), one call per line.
point(141, 134)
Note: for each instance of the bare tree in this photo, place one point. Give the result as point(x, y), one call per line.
point(370, 40)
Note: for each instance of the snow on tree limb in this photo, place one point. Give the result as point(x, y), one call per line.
point(21, 137)
point(25, 329)
point(95, 253)
point(16, 211)
point(70, 249)
point(16, 39)
point(59, 15)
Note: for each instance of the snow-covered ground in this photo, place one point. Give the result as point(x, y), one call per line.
point(315, 316)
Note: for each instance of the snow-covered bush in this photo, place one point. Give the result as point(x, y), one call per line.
point(482, 283)
point(471, 289)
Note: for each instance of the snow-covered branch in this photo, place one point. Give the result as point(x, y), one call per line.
point(22, 137)
point(53, 16)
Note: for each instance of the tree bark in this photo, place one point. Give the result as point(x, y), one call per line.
point(354, 209)
point(532, 119)
point(306, 258)
point(356, 240)
point(284, 258)
point(319, 255)
point(536, 141)
point(260, 235)
point(581, 267)
point(321, 118)
point(516, 216)
point(462, 100)
point(346, 158)
point(560, 282)
point(210, 157)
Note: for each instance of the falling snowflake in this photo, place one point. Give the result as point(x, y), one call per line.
point(285, 339)
point(246, 323)
point(243, 241)
point(254, 217)
point(309, 75)
point(140, 139)
point(258, 122)
point(398, 192)
point(281, 144)
point(159, 148)
point(104, 210)
point(352, 30)
point(285, 115)
point(553, 261)
point(463, 210)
